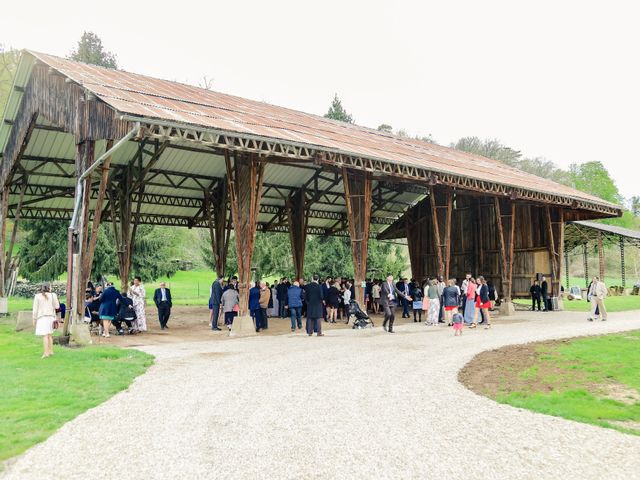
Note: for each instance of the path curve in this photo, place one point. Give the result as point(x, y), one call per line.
point(360, 404)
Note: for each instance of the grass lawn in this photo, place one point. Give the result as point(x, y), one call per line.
point(613, 304)
point(38, 396)
point(593, 380)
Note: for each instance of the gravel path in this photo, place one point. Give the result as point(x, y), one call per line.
point(360, 404)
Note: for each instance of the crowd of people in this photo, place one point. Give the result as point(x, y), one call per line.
point(106, 307)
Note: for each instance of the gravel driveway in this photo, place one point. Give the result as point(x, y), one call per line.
point(353, 404)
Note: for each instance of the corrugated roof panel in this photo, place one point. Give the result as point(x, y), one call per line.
point(145, 96)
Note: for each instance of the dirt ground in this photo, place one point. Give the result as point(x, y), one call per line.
point(191, 324)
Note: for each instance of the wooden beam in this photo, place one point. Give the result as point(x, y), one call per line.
point(245, 176)
point(436, 232)
point(97, 216)
point(14, 232)
point(551, 245)
point(357, 192)
point(297, 221)
point(503, 251)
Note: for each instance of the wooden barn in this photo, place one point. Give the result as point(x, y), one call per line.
point(89, 145)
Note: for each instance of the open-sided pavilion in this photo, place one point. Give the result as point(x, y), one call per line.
point(87, 144)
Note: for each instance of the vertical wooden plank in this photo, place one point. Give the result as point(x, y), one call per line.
point(244, 183)
point(97, 215)
point(357, 189)
point(297, 220)
point(447, 240)
point(601, 256)
point(436, 231)
point(512, 242)
point(502, 248)
point(551, 245)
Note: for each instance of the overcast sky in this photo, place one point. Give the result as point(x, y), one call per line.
point(559, 79)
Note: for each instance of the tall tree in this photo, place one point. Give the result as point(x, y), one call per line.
point(337, 111)
point(490, 147)
point(594, 178)
point(90, 50)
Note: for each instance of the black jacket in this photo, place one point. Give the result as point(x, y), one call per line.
point(544, 289)
point(313, 296)
point(535, 290)
point(157, 296)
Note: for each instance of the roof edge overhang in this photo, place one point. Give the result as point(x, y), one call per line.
point(271, 146)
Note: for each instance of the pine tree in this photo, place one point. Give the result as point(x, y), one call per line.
point(337, 111)
point(90, 50)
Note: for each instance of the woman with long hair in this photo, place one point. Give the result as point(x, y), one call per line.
point(470, 302)
point(333, 302)
point(482, 303)
point(434, 303)
point(45, 305)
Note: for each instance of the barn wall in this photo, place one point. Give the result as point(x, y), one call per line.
point(475, 245)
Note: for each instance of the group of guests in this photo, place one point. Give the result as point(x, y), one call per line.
point(106, 306)
point(440, 302)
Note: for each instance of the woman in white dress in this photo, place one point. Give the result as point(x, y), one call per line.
point(137, 294)
point(45, 304)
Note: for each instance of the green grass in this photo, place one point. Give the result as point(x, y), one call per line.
point(613, 304)
point(582, 368)
point(40, 395)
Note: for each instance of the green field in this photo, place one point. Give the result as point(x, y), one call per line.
point(40, 395)
point(613, 304)
point(593, 380)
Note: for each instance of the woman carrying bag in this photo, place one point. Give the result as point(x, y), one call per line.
point(45, 305)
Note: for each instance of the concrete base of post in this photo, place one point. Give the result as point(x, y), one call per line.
point(80, 334)
point(243, 327)
point(507, 309)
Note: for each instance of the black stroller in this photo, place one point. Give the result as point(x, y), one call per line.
point(359, 318)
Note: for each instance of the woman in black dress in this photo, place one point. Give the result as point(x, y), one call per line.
point(333, 302)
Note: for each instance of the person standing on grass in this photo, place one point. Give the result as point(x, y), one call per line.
point(536, 293)
point(597, 292)
point(45, 304)
point(108, 308)
point(137, 294)
point(314, 297)
point(162, 299)
point(230, 306)
point(294, 300)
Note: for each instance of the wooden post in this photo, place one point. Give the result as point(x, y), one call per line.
point(297, 219)
point(245, 175)
point(622, 269)
point(601, 256)
point(585, 261)
point(506, 222)
point(503, 250)
point(551, 247)
point(97, 216)
point(4, 211)
point(357, 193)
point(441, 225)
point(220, 227)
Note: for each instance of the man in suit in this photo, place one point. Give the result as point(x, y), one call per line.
point(314, 298)
point(535, 292)
point(215, 300)
point(281, 296)
point(544, 290)
point(162, 299)
point(388, 298)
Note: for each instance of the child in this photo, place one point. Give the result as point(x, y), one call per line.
point(458, 321)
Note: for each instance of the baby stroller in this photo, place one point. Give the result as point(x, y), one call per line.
point(359, 318)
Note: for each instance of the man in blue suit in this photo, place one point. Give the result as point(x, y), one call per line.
point(162, 299)
point(215, 300)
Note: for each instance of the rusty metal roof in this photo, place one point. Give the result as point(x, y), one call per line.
point(181, 104)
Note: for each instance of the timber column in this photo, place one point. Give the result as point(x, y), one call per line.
point(554, 219)
point(357, 192)
point(506, 223)
point(297, 219)
point(245, 175)
point(215, 207)
point(441, 202)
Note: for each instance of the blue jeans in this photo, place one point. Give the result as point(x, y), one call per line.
point(296, 317)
